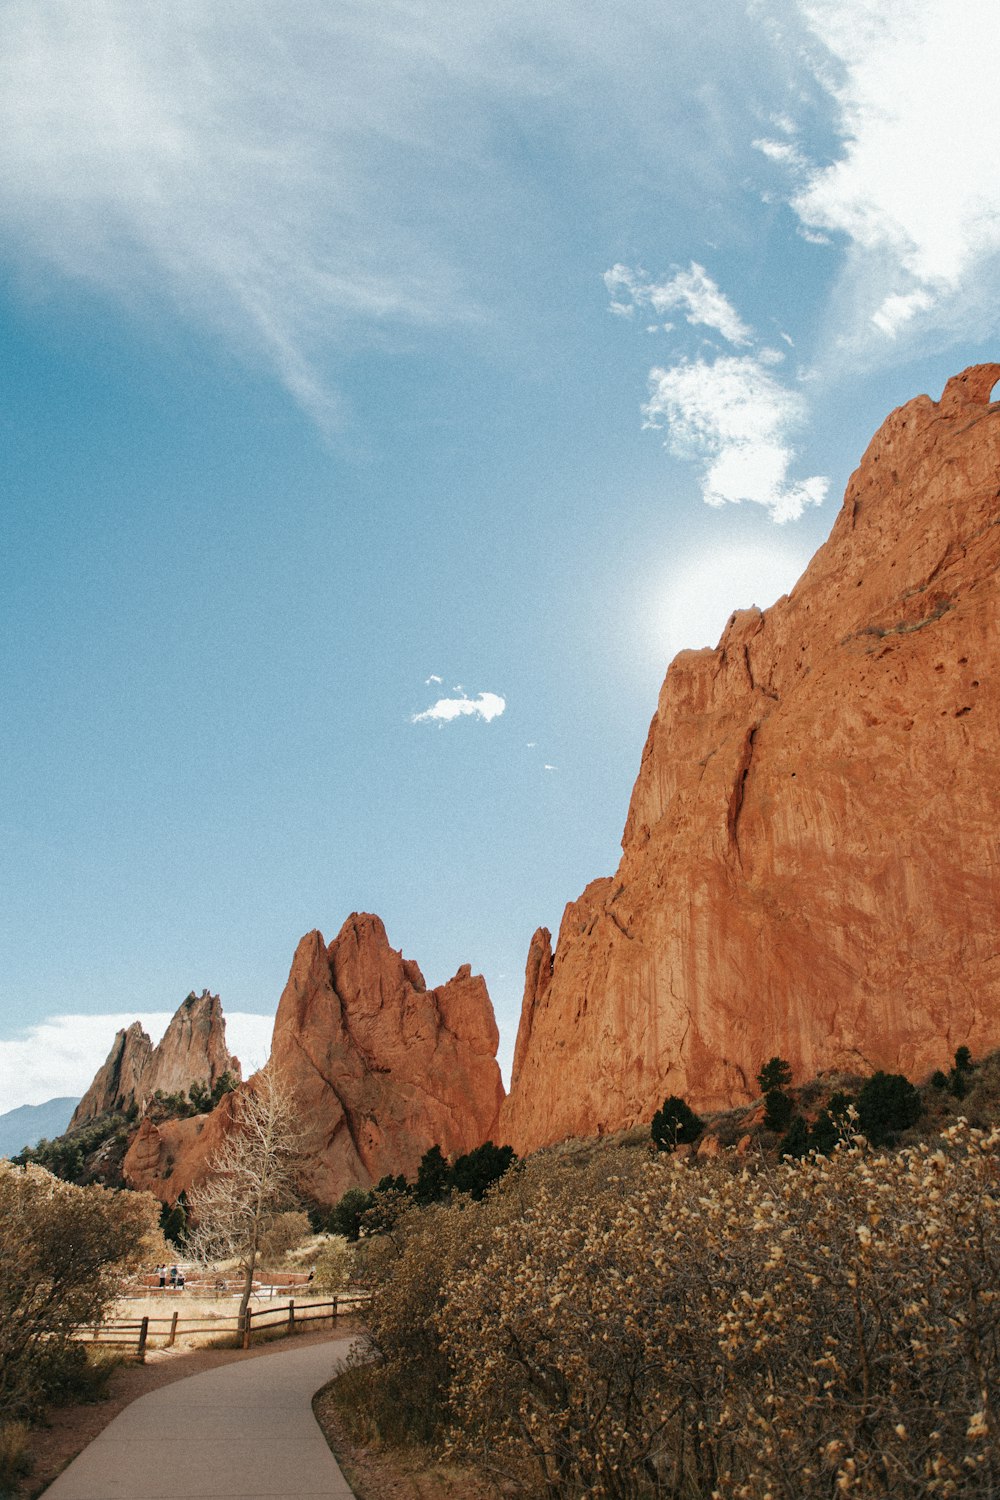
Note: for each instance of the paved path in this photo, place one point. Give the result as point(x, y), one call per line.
point(245, 1430)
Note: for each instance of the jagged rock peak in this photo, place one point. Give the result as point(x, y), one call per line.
point(192, 1050)
point(383, 1067)
point(809, 861)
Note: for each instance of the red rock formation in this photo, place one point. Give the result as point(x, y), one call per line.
point(810, 863)
point(192, 1050)
point(382, 1067)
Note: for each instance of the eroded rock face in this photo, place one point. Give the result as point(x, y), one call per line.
point(117, 1083)
point(382, 1067)
point(811, 862)
point(192, 1050)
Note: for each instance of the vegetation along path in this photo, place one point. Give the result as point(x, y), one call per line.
point(245, 1430)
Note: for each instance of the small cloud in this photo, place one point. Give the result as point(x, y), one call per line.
point(735, 418)
point(897, 310)
point(550, 768)
point(487, 706)
point(692, 291)
point(532, 744)
point(783, 152)
point(433, 678)
point(813, 237)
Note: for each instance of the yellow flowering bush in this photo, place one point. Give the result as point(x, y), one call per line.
point(822, 1328)
point(647, 1327)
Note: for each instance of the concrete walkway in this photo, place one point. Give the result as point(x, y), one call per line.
point(245, 1430)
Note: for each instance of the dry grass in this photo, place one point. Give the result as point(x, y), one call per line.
point(15, 1452)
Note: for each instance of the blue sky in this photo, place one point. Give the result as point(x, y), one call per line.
point(386, 393)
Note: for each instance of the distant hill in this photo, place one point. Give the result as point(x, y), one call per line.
point(30, 1123)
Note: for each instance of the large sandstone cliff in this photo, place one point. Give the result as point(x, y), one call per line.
point(811, 861)
point(192, 1050)
point(381, 1068)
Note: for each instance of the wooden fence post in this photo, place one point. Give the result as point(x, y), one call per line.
point(173, 1329)
point(291, 1315)
point(333, 1314)
point(246, 1328)
point(143, 1333)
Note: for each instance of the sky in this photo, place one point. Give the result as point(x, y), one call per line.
point(386, 395)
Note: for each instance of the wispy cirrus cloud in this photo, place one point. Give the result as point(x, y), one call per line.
point(299, 181)
point(487, 706)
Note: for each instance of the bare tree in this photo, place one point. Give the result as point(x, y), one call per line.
point(251, 1179)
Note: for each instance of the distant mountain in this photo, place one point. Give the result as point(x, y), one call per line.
point(30, 1123)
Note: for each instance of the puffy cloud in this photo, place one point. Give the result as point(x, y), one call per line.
point(736, 418)
point(915, 189)
point(59, 1056)
point(692, 291)
point(487, 706)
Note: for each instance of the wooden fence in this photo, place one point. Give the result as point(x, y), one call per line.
point(136, 1333)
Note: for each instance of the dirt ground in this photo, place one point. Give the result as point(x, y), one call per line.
point(394, 1474)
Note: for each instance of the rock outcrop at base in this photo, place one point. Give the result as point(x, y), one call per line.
point(170, 1157)
point(811, 862)
point(192, 1051)
point(382, 1067)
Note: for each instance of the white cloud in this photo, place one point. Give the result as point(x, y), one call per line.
point(736, 418)
point(487, 706)
point(59, 1056)
point(915, 190)
point(693, 291)
point(895, 311)
point(783, 152)
point(433, 678)
point(550, 768)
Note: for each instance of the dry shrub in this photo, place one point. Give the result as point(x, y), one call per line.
point(334, 1265)
point(398, 1382)
point(63, 1253)
point(284, 1234)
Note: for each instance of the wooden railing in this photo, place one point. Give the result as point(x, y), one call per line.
point(135, 1334)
